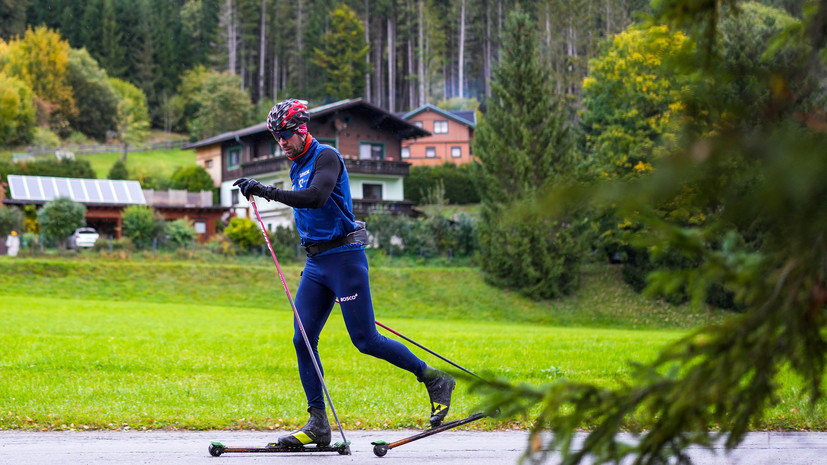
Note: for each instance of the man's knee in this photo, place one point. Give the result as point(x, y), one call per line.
point(367, 344)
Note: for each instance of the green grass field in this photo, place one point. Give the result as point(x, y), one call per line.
point(161, 163)
point(112, 344)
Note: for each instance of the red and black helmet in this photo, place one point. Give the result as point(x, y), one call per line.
point(286, 115)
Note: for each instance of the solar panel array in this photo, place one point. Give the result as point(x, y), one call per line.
point(87, 191)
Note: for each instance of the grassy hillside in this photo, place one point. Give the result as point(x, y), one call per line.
point(159, 163)
point(422, 293)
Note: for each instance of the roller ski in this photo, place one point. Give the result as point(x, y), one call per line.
point(381, 448)
point(216, 449)
point(314, 436)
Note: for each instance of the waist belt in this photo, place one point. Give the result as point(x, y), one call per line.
point(315, 249)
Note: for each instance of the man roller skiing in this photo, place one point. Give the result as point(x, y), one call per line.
point(336, 268)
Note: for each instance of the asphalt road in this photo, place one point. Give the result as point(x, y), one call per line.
point(452, 447)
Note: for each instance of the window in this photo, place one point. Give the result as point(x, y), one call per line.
point(430, 152)
point(371, 151)
point(234, 158)
point(200, 227)
point(330, 142)
point(406, 152)
point(440, 127)
point(234, 196)
point(418, 124)
point(456, 152)
point(372, 191)
point(208, 164)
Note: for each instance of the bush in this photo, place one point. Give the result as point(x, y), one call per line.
point(284, 240)
point(192, 178)
point(118, 171)
point(11, 219)
point(244, 233)
point(457, 182)
point(43, 137)
point(59, 218)
point(179, 233)
point(424, 237)
point(538, 256)
point(639, 264)
point(141, 225)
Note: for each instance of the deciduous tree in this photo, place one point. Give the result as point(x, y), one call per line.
point(133, 117)
point(60, 217)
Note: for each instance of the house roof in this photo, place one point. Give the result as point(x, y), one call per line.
point(380, 118)
point(33, 189)
point(467, 117)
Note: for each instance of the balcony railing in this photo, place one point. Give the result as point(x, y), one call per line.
point(364, 207)
point(275, 164)
point(396, 168)
point(265, 165)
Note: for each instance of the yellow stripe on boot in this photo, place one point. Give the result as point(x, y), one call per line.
point(302, 437)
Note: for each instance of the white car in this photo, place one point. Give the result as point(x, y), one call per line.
point(83, 237)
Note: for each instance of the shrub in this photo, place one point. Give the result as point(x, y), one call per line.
point(244, 233)
point(424, 236)
point(11, 219)
point(179, 233)
point(455, 181)
point(59, 218)
point(192, 178)
point(118, 171)
point(536, 255)
point(140, 225)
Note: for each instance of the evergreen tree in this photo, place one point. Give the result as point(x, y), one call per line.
point(113, 57)
point(523, 145)
point(118, 171)
point(342, 56)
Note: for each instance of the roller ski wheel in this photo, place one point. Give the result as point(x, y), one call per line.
point(380, 448)
point(216, 448)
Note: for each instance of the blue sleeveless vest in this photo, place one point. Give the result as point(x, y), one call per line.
point(335, 218)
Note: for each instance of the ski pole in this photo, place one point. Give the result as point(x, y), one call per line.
point(301, 326)
point(427, 349)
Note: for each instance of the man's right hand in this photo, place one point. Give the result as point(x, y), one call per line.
point(249, 186)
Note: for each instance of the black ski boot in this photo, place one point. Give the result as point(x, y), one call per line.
point(316, 431)
point(439, 385)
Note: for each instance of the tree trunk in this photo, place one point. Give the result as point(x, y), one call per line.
point(378, 78)
point(461, 57)
point(300, 44)
point(367, 57)
point(421, 55)
point(231, 37)
point(391, 65)
point(262, 51)
point(411, 87)
point(486, 59)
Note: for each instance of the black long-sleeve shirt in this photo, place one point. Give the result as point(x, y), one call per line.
point(327, 170)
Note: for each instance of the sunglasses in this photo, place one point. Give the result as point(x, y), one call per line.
point(283, 134)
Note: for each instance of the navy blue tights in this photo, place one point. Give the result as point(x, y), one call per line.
point(345, 276)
